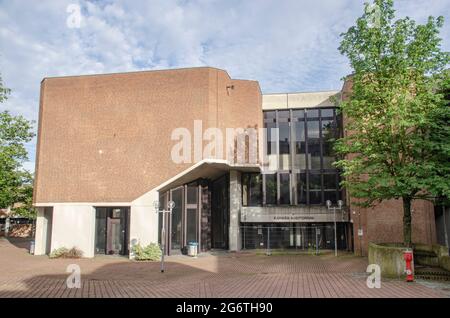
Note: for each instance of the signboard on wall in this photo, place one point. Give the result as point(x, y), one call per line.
point(287, 215)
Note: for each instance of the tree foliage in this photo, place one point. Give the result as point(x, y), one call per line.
point(15, 183)
point(397, 142)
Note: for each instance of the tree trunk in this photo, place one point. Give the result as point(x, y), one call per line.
point(407, 221)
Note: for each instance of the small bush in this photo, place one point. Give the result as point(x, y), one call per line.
point(64, 252)
point(151, 252)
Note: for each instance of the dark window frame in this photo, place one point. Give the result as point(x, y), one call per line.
point(293, 171)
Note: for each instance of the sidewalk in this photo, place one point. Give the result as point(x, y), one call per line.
point(220, 275)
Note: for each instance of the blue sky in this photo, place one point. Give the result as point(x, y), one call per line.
point(287, 45)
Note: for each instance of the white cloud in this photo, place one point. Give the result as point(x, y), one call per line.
point(287, 45)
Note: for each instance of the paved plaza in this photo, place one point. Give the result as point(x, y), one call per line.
point(226, 275)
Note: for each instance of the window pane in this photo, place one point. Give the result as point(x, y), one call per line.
point(271, 188)
point(269, 115)
point(271, 138)
point(329, 182)
point(315, 197)
point(284, 137)
point(177, 197)
point(314, 182)
point(330, 195)
point(285, 188)
point(192, 194)
point(327, 112)
point(100, 231)
point(312, 113)
point(245, 187)
point(301, 188)
point(313, 144)
point(251, 189)
point(328, 135)
point(162, 205)
point(300, 145)
point(298, 114)
point(191, 225)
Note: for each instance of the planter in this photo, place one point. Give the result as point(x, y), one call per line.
point(390, 259)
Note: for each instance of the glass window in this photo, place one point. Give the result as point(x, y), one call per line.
point(300, 145)
point(284, 140)
point(315, 181)
point(100, 231)
point(271, 188)
point(312, 113)
point(327, 112)
point(251, 189)
point(330, 181)
point(285, 188)
point(315, 188)
point(192, 194)
point(116, 213)
point(191, 225)
point(162, 205)
point(313, 144)
point(315, 197)
point(330, 195)
point(270, 125)
point(307, 154)
point(328, 135)
point(177, 197)
point(301, 188)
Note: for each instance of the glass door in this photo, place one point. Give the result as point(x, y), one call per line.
point(219, 213)
point(111, 231)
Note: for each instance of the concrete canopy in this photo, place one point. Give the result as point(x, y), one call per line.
point(207, 169)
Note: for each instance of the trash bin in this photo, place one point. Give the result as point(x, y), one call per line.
point(192, 249)
point(32, 247)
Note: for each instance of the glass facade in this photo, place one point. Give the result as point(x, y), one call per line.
point(300, 159)
point(183, 223)
point(302, 236)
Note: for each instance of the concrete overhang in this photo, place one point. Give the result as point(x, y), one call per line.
point(205, 169)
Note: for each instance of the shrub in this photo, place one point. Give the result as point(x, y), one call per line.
point(151, 252)
point(64, 252)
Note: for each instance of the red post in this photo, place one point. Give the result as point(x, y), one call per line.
point(408, 256)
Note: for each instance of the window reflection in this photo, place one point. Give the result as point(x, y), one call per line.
point(285, 188)
point(301, 157)
point(251, 189)
point(271, 188)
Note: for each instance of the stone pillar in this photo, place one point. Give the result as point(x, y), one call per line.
point(205, 221)
point(235, 209)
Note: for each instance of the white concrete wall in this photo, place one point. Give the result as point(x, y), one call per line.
point(235, 208)
point(41, 232)
point(144, 220)
point(298, 100)
point(74, 226)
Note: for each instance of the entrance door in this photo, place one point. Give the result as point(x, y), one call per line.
point(115, 237)
point(112, 231)
point(220, 213)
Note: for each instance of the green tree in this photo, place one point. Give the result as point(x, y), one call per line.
point(396, 145)
point(15, 131)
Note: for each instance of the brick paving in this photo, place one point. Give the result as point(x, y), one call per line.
point(218, 275)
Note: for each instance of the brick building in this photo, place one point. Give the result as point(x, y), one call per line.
point(105, 154)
